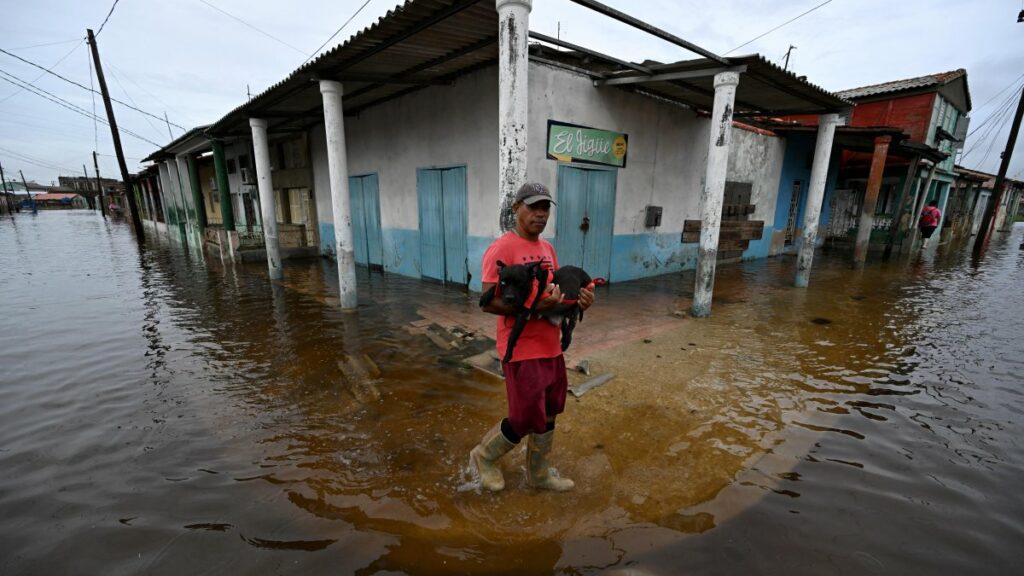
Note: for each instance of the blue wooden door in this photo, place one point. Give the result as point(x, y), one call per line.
point(355, 194)
point(428, 190)
point(371, 221)
point(444, 224)
point(456, 225)
point(586, 219)
point(364, 197)
point(569, 213)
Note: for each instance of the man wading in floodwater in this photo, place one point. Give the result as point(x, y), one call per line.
point(535, 379)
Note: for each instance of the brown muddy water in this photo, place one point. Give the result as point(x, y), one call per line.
point(163, 413)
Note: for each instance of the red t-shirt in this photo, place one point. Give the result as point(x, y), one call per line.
point(930, 216)
point(540, 338)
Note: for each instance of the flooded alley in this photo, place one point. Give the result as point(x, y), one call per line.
point(164, 412)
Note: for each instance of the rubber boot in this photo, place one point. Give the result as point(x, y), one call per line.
point(538, 471)
point(485, 455)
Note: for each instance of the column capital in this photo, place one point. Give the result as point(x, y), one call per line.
point(258, 123)
point(505, 4)
point(879, 140)
point(331, 87)
point(831, 118)
point(727, 79)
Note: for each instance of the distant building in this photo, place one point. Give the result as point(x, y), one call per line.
point(60, 201)
point(81, 184)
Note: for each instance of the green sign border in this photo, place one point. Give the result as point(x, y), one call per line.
point(575, 160)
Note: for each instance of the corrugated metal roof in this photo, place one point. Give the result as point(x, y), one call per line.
point(168, 149)
point(426, 42)
point(940, 79)
point(764, 88)
point(54, 196)
point(419, 43)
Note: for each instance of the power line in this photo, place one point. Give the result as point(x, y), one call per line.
point(1008, 86)
point(108, 17)
point(31, 160)
point(777, 27)
point(46, 44)
point(244, 23)
point(992, 122)
point(127, 95)
point(64, 103)
point(167, 106)
point(338, 31)
point(55, 64)
point(83, 87)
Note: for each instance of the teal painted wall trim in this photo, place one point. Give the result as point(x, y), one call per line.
point(401, 249)
point(641, 255)
point(327, 239)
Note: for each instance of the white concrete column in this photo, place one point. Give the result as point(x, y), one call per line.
point(179, 198)
point(171, 216)
point(337, 165)
point(185, 188)
point(513, 63)
point(268, 207)
point(919, 204)
point(816, 193)
point(943, 201)
point(714, 190)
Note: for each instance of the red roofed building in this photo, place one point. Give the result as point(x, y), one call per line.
point(60, 201)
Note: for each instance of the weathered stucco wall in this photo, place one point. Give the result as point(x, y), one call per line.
point(757, 158)
point(440, 126)
point(458, 125)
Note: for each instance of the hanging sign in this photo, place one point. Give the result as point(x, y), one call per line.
point(579, 144)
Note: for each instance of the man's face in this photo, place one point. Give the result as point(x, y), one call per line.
point(533, 218)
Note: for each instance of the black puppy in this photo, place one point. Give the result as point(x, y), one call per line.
point(522, 287)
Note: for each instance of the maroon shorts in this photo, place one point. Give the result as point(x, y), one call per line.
point(536, 391)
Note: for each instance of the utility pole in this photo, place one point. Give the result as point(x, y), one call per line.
point(99, 185)
point(30, 200)
point(981, 242)
point(136, 219)
point(7, 197)
point(791, 48)
point(93, 199)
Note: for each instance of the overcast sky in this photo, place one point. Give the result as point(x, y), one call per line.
point(194, 62)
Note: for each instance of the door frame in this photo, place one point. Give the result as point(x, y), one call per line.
point(615, 198)
point(380, 225)
point(419, 224)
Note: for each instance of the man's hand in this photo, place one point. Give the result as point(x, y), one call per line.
point(552, 297)
point(586, 299)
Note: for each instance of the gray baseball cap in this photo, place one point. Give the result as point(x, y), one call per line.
point(533, 192)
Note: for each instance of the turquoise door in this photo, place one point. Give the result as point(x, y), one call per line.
point(364, 195)
point(585, 219)
point(444, 224)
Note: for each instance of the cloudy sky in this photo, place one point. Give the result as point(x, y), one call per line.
point(195, 59)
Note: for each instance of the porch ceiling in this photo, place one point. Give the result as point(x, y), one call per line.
point(420, 43)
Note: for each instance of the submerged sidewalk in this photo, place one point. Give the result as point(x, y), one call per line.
point(623, 313)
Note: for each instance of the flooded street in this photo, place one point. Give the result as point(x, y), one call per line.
point(164, 412)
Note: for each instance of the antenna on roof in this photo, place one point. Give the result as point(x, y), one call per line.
point(786, 65)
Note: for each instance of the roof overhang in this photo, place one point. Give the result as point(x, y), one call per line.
point(420, 43)
point(764, 89)
point(195, 140)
